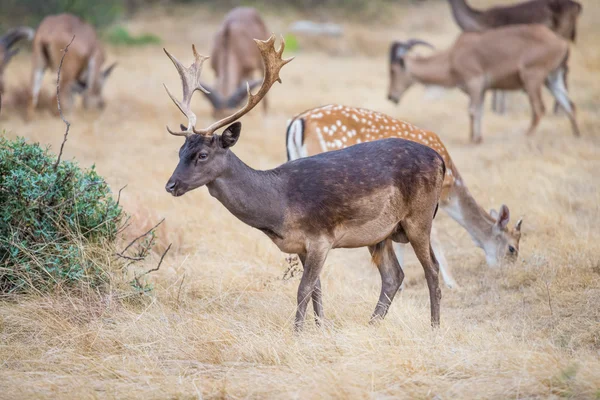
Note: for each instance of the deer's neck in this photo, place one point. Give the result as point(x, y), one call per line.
point(254, 197)
point(463, 208)
point(466, 17)
point(431, 70)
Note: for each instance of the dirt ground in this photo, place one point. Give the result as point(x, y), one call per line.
point(219, 321)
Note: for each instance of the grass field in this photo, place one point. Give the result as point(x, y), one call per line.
point(219, 321)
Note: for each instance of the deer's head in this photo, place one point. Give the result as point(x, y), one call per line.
point(204, 155)
point(564, 17)
point(400, 79)
point(504, 245)
point(92, 88)
point(7, 50)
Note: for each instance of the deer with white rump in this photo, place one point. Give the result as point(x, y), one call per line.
point(335, 126)
point(510, 58)
point(365, 196)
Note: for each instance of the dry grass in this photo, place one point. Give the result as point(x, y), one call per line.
point(219, 322)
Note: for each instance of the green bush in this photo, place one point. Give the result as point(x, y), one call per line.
point(31, 12)
point(57, 226)
point(119, 36)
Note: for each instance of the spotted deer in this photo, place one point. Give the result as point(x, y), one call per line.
point(82, 68)
point(335, 126)
point(368, 195)
point(516, 57)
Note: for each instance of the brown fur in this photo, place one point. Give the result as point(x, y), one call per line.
point(519, 57)
point(558, 15)
point(82, 66)
point(235, 58)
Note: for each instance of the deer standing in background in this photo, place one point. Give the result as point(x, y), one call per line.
point(365, 196)
point(82, 68)
point(335, 127)
point(510, 58)
point(558, 15)
point(7, 49)
point(235, 59)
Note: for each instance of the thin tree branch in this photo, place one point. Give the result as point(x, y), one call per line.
point(139, 237)
point(67, 123)
point(137, 278)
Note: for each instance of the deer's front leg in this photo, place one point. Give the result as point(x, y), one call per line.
point(313, 264)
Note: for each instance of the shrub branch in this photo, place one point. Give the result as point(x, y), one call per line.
point(67, 123)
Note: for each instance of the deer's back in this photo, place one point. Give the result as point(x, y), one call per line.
point(375, 181)
point(502, 53)
point(528, 12)
point(56, 31)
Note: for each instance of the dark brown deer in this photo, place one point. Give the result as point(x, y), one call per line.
point(235, 59)
point(366, 195)
point(82, 68)
point(558, 15)
point(7, 47)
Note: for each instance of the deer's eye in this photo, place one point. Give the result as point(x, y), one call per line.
point(512, 249)
point(202, 156)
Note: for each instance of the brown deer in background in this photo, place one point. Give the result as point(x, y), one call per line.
point(7, 49)
point(334, 127)
point(235, 59)
point(365, 196)
point(558, 15)
point(510, 58)
point(82, 68)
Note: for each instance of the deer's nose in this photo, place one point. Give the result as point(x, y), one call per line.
point(393, 99)
point(171, 186)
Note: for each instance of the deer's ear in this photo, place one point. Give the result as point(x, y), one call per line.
point(503, 217)
point(231, 135)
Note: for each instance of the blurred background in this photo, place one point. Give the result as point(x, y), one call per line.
point(218, 321)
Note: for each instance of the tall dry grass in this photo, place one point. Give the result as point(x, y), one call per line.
point(219, 321)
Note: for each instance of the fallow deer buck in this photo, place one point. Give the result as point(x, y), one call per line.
point(367, 195)
point(82, 68)
point(336, 126)
point(7, 47)
point(510, 58)
point(235, 59)
point(558, 15)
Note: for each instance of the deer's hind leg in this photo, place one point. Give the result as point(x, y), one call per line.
point(39, 63)
point(391, 276)
point(556, 83)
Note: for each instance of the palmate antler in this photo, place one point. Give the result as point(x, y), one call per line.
point(190, 78)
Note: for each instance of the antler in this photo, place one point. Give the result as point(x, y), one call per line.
point(190, 81)
point(273, 64)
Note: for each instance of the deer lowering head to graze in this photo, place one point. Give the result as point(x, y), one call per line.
point(235, 59)
point(367, 195)
point(512, 58)
point(334, 127)
point(7, 47)
point(82, 68)
point(558, 15)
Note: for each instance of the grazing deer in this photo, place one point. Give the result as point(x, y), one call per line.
point(558, 15)
point(82, 68)
point(510, 58)
point(335, 127)
point(7, 49)
point(235, 58)
point(367, 195)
